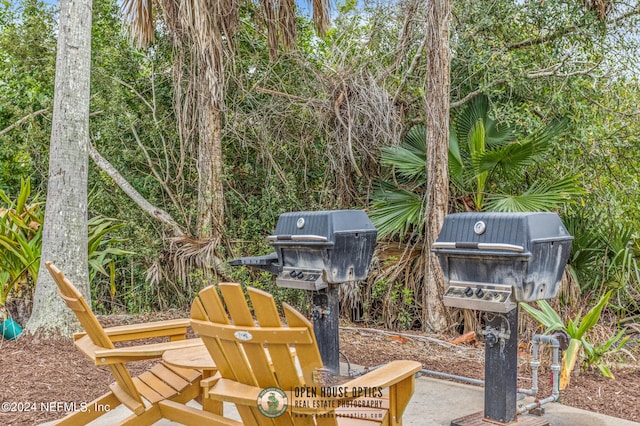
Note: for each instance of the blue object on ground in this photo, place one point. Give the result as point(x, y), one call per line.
point(10, 329)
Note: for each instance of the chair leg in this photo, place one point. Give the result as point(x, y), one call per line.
point(399, 396)
point(92, 411)
point(151, 415)
point(192, 416)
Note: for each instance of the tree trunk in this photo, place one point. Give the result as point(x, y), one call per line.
point(64, 239)
point(437, 129)
point(210, 172)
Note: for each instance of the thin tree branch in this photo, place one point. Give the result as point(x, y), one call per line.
point(554, 72)
point(22, 120)
point(562, 31)
point(152, 167)
point(138, 94)
point(292, 97)
point(136, 197)
point(476, 93)
point(412, 67)
point(548, 72)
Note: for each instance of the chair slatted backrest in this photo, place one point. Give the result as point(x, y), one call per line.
point(261, 355)
point(76, 302)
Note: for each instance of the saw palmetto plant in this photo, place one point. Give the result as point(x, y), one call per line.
point(487, 165)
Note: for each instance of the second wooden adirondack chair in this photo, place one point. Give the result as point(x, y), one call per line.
point(271, 371)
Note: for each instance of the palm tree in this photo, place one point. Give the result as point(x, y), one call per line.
point(203, 31)
point(487, 165)
point(206, 30)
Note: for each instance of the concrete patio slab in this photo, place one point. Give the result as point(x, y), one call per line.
point(436, 403)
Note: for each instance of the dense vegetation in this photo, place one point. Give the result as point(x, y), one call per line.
point(544, 115)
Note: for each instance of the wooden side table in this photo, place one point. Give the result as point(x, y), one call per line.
point(198, 358)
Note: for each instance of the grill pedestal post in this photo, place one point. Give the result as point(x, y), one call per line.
point(501, 366)
point(500, 375)
point(326, 317)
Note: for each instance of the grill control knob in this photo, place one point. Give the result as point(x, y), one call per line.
point(479, 293)
point(293, 274)
point(468, 291)
point(300, 275)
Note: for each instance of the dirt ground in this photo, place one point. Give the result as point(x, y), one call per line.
point(41, 377)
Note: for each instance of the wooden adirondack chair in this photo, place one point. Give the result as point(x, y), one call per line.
point(268, 361)
point(164, 387)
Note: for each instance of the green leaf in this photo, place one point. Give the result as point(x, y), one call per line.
point(112, 278)
point(591, 318)
point(25, 191)
point(571, 354)
point(540, 196)
point(545, 316)
point(605, 371)
point(4, 197)
point(572, 328)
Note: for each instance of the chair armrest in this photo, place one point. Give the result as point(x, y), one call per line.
point(175, 329)
point(386, 375)
point(235, 392)
point(102, 356)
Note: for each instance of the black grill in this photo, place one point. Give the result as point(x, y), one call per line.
point(491, 261)
point(326, 247)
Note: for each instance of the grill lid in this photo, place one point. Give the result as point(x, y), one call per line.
point(319, 226)
point(501, 232)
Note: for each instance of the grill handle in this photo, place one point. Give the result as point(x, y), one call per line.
point(478, 246)
point(318, 238)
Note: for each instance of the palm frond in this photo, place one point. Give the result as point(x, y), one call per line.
point(138, 14)
point(396, 211)
point(454, 149)
point(541, 196)
point(477, 111)
point(456, 170)
point(520, 154)
point(409, 165)
point(416, 140)
point(465, 122)
point(477, 146)
point(409, 159)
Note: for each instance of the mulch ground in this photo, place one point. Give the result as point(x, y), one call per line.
point(43, 377)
